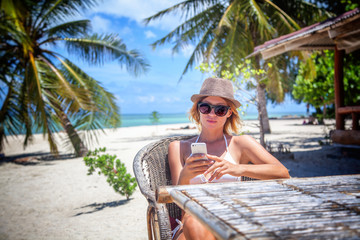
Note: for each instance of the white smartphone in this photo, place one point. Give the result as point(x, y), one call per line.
point(198, 148)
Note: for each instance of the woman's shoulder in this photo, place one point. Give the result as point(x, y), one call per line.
point(243, 139)
point(185, 142)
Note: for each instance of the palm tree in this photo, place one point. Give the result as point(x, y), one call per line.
point(43, 90)
point(226, 31)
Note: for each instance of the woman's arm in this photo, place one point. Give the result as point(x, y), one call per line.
point(265, 166)
point(175, 161)
point(193, 165)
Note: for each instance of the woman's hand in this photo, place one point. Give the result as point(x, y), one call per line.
point(195, 164)
point(222, 167)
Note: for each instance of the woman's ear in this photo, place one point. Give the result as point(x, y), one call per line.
point(229, 113)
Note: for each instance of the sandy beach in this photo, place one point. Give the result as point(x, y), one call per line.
point(43, 197)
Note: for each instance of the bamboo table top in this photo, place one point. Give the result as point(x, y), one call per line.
point(297, 208)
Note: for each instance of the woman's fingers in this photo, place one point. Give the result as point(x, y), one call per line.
point(214, 158)
point(196, 157)
point(215, 166)
point(217, 174)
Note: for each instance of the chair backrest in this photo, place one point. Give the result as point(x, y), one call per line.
point(151, 169)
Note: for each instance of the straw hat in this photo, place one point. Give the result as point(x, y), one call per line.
point(217, 87)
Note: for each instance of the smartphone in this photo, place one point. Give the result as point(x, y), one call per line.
point(198, 148)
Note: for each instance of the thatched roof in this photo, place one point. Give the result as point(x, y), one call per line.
point(342, 32)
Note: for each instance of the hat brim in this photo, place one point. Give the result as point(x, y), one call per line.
point(194, 98)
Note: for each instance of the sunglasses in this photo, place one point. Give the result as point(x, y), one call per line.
point(219, 110)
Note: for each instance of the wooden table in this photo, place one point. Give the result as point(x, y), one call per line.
point(297, 208)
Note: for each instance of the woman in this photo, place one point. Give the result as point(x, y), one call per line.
point(228, 158)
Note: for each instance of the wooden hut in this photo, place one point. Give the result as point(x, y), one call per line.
point(341, 34)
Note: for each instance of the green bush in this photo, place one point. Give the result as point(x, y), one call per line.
point(117, 176)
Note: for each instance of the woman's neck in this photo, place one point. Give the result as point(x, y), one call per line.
point(209, 137)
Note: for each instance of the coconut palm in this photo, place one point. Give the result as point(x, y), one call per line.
point(42, 90)
point(226, 31)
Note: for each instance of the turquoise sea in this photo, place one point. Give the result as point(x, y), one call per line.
point(130, 120)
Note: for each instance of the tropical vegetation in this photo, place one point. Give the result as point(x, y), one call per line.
point(43, 90)
point(225, 32)
point(319, 91)
point(113, 169)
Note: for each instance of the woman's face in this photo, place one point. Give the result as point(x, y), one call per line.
point(211, 120)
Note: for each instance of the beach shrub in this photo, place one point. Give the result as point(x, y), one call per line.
point(113, 169)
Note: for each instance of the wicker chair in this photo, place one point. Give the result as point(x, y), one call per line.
point(151, 170)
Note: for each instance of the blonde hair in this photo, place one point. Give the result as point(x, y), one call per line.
point(232, 124)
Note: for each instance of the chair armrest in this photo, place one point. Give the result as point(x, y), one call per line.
point(164, 221)
point(140, 176)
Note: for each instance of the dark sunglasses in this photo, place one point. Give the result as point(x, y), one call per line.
point(219, 110)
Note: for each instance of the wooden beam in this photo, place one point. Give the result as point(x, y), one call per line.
point(344, 28)
point(309, 39)
point(315, 47)
point(339, 88)
point(348, 110)
point(273, 52)
point(162, 195)
point(348, 137)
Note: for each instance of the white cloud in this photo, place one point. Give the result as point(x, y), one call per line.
point(138, 10)
point(146, 99)
point(100, 25)
point(149, 34)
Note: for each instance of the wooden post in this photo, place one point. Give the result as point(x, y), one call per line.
point(355, 121)
point(339, 88)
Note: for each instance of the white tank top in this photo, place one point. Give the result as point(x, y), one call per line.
point(226, 178)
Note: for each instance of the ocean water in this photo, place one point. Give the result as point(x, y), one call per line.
point(131, 120)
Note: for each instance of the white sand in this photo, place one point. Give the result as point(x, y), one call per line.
point(45, 198)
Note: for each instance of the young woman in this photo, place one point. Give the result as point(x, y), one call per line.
point(228, 158)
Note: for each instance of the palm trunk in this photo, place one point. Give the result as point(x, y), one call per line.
point(261, 97)
point(79, 147)
point(262, 135)
point(263, 115)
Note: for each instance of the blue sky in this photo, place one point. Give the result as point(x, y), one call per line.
point(159, 89)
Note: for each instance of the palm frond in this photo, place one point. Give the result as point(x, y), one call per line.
point(68, 90)
point(96, 49)
point(197, 26)
point(106, 112)
point(69, 29)
point(10, 116)
point(60, 10)
point(285, 17)
point(274, 85)
point(187, 8)
point(197, 54)
point(265, 29)
point(104, 100)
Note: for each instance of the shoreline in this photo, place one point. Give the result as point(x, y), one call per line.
point(165, 124)
point(54, 198)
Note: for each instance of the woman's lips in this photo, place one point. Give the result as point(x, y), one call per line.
point(211, 121)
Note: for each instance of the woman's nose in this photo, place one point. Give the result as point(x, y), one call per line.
point(212, 112)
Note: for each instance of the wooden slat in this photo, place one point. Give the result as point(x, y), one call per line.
point(348, 110)
point(298, 208)
point(217, 227)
